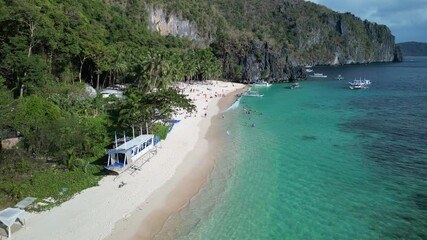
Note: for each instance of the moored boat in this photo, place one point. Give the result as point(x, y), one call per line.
point(295, 85)
point(339, 77)
point(318, 75)
point(252, 94)
point(359, 84)
point(112, 92)
point(261, 84)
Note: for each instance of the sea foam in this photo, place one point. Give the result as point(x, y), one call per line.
point(234, 105)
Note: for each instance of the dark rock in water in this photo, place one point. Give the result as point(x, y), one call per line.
point(363, 135)
point(406, 218)
point(309, 138)
point(421, 201)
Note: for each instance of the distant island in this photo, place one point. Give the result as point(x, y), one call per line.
point(413, 48)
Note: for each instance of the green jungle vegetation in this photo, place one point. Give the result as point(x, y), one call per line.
point(300, 31)
point(51, 50)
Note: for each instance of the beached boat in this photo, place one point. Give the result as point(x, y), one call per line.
point(318, 75)
point(295, 85)
point(261, 84)
point(308, 66)
point(112, 92)
point(309, 70)
point(252, 94)
point(116, 90)
point(339, 77)
point(359, 84)
point(124, 156)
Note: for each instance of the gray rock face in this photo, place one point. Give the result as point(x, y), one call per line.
point(90, 91)
point(331, 39)
point(169, 24)
point(272, 66)
point(261, 63)
point(346, 39)
point(398, 54)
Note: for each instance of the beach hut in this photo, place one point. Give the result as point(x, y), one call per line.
point(125, 155)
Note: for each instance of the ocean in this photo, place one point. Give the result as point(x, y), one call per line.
point(319, 162)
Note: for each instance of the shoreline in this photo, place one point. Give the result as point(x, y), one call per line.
point(190, 177)
point(96, 213)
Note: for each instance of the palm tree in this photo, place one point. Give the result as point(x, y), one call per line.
point(132, 109)
point(152, 65)
point(120, 65)
point(190, 65)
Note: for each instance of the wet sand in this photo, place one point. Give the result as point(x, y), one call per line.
point(190, 176)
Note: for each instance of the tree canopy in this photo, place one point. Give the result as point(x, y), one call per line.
point(50, 51)
point(140, 108)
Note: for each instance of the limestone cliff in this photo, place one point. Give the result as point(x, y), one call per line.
point(170, 24)
point(345, 39)
point(272, 39)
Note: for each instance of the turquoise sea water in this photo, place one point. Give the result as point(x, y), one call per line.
point(320, 162)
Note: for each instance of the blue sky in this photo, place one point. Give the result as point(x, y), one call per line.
point(407, 19)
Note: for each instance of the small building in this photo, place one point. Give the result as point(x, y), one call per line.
point(9, 138)
point(112, 92)
point(125, 155)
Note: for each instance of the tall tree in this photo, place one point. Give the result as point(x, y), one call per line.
point(140, 107)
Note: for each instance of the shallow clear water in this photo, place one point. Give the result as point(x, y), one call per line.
point(320, 162)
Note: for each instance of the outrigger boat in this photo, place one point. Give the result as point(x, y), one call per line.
point(252, 94)
point(359, 84)
point(295, 85)
point(124, 156)
point(339, 77)
point(318, 75)
point(261, 84)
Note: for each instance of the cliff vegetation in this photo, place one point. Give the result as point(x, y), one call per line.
point(270, 39)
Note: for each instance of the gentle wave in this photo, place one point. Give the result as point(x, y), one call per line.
point(235, 105)
point(321, 162)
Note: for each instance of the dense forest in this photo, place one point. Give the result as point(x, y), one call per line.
point(53, 52)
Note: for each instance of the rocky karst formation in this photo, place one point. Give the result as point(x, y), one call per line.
point(271, 40)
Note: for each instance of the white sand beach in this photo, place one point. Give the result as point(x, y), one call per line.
point(107, 211)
